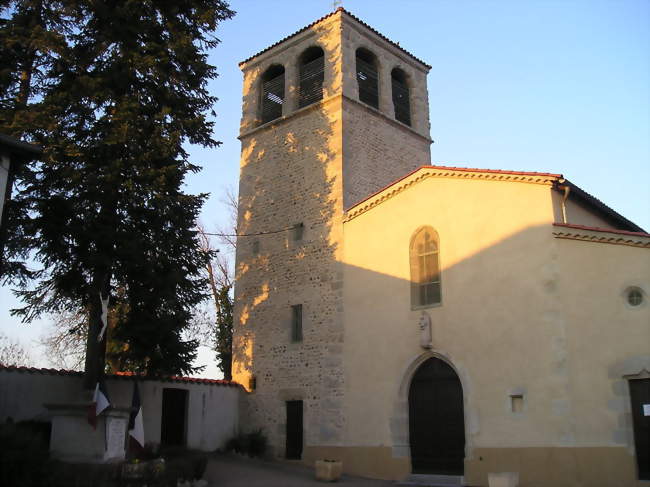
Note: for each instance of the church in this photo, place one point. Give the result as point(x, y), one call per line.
point(407, 318)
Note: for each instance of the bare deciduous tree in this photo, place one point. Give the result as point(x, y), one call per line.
point(227, 234)
point(65, 340)
point(13, 353)
point(215, 321)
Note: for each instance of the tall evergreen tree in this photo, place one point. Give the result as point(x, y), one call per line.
point(123, 87)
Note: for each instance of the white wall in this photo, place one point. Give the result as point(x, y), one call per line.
point(212, 412)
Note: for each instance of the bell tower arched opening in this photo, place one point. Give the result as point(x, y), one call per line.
point(272, 93)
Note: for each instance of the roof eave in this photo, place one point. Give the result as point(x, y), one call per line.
point(325, 17)
point(19, 148)
point(587, 199)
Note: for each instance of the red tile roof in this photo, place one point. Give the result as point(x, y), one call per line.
point(342, 10)
point(598, 229)
point(613, 216)
point(494, 171)
point(176, 378)
point(576, 192)
point(44, 371)
point(120, 375)
point(453, 168)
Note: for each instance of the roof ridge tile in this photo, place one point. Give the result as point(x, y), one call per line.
point(600, 229)
point(456, 169)
point(118, 375)
point(324, 17)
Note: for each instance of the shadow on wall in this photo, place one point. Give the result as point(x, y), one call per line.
point(515, 321)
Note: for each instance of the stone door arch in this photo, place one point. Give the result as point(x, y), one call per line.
point(399, 421)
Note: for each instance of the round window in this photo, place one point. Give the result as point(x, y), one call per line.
point(634, 296)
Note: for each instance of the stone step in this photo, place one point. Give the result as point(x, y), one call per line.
point(423, 480)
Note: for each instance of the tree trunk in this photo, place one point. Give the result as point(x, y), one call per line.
point(213, 285)
point(227, 369)
point(100, 287)
point(26, 70)
point(95, 350)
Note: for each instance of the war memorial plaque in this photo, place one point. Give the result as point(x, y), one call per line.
point(115, 437)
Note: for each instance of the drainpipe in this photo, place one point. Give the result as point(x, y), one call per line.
point(567, 190)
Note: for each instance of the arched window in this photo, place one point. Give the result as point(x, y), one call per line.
point(367, 77)
point(401, 99)
point(272, 93)
point(425, 268)
point(312, 64)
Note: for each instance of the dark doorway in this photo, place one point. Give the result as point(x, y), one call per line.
point(436, 420)
point(640, 395)
point(174, 417)
point(294, 430)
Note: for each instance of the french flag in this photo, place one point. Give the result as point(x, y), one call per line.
point(99, 404)
point(136, 426)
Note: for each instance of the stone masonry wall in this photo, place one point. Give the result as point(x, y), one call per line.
point(291, 174)
point(292, 171)
point(377, 149)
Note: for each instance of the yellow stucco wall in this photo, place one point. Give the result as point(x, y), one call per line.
point(522, 312)
point(577, 214)
point(607, 340)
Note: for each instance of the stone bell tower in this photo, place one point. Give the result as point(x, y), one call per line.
point(331, 114)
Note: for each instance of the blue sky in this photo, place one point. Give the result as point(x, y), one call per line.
point(554, 86)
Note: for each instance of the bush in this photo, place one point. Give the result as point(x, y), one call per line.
point(184, 464)
point(151, 451)
point(200, 465)
point(234, 444)
point(24, 452)
point(62, 474)
point(25, 462)
point(253, 444)
point(257, 443)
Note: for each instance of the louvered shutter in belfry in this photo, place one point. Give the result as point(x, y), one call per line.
point(311, 81)
point(272, 98)
point(368, 83)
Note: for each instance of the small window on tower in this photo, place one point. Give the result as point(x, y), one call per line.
point(272, 93)
point(298, 230)
point(296, 323)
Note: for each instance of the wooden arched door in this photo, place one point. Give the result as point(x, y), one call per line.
point(436, 420)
